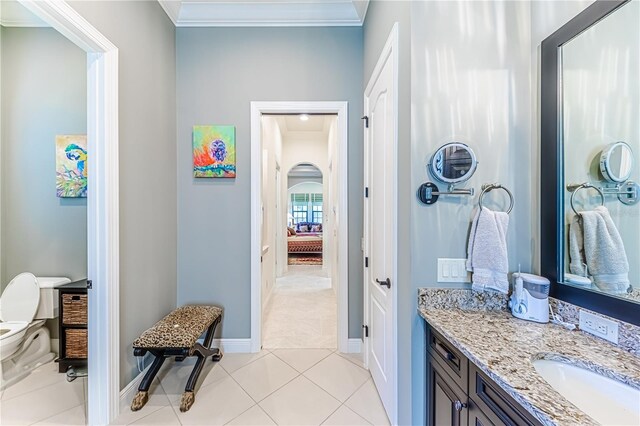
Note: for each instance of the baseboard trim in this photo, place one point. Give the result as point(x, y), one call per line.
point(128, 392)
point(233, 345)
point(226, 345)
point(354, 346)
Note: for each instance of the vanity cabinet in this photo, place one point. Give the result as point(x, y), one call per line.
point(459, 394)
point(448, 403)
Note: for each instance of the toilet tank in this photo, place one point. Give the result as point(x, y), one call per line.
point(48, 306)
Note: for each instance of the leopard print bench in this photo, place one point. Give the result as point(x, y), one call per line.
point(177, 335)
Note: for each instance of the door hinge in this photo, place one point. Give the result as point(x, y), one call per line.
point(366, 262)
point(366, 330)
point(366, 192)
point(89, 284)
point(366, 121)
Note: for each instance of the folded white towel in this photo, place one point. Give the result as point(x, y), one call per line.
point(595, 241)
point(487, 251)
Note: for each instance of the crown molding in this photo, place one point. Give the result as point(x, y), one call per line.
point(172, 9)
point(269, 13)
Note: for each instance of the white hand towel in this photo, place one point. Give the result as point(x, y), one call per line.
point(595, 240)
point(487, 251)
point(577, 261)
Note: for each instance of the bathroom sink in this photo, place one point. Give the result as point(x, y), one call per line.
point(607, 401)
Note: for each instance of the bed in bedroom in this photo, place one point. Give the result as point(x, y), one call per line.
point(306, 237)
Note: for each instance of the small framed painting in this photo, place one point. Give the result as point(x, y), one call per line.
point(214, 151)
point(71, 166)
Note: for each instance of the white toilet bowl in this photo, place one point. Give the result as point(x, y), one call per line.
point(24, 341)
point(11, 334)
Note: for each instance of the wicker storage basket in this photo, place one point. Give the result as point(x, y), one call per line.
point(74, 309)
point(75, 343)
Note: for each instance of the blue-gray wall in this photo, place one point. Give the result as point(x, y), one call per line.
point(219, 72)
point(469, 81)
point(145, 38)
point(44, 85)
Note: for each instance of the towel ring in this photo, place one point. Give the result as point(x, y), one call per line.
point(585, 186)
point(487, 187)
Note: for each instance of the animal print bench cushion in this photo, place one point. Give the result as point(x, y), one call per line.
point(180, 329)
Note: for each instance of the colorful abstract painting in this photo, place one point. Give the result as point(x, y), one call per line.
point(214, 151)
point(71, 166)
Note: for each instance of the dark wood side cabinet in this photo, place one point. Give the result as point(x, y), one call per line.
point(73, 303)
point(459, 394)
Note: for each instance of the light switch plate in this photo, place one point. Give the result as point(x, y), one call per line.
point(599, 326)
point(453, 271)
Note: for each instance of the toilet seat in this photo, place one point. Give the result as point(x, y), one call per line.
point(19, 301)
point(14, 330)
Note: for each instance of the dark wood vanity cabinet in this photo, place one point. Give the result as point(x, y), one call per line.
point(459, 394)
point(447, 402)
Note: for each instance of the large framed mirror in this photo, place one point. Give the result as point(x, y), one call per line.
point(590, 143)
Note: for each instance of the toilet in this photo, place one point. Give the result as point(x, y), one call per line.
point(25, 344)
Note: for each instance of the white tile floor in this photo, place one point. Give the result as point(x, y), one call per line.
point(311, 384)
point(302, 311)
point(283, 387)
point(44, 397)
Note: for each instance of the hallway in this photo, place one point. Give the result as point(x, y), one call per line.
point(302, 311)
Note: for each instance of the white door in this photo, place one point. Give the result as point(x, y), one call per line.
point(380, 234)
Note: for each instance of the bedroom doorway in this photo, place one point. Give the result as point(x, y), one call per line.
point(305, 208)
point(299, 280)
point(299, 301)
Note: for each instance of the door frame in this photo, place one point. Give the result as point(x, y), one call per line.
point(103, 229)
point(389, 51)
point(257, 109)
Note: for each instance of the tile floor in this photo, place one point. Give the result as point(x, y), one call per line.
point(44, 397)
point(302, 311)
point(282, 386)
point(293, 386)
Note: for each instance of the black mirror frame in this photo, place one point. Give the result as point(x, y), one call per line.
point(552, 171)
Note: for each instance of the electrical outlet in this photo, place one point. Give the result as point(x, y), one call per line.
point(452, 271)
point(599, 326)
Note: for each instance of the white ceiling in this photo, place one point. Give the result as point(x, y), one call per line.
point(265, 13)
point(231, 13)
point(315, 123)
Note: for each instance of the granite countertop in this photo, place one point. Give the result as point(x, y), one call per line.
point(504, 347)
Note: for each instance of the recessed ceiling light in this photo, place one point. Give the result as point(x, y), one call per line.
point(304, 117)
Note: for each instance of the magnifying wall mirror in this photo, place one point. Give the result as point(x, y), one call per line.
point(616, 162)
point(453, 163)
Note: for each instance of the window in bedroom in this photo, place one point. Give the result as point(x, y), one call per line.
point(316, 208)
point(299, 207)
point(306, 207)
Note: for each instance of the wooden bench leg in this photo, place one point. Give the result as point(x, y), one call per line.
point(142, 396)
point(202, 352)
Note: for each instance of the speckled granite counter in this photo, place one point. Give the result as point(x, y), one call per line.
point(503, 347)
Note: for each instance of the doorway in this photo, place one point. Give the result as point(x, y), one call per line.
point(263, 277)
point(299, 303)
point(102, 206)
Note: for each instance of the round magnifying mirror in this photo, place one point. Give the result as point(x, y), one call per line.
point(616, 162)
point(454, 162)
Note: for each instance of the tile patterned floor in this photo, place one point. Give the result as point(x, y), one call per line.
point(44, 397)
point(302, 311)
point(308, 383)
point(281, 386)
